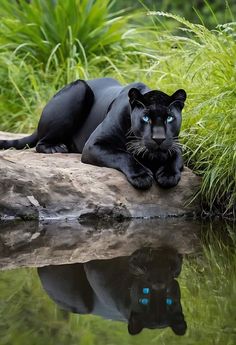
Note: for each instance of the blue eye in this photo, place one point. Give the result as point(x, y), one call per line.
point(169, 301)
point(170, 118)
point(144, 301)
point(146, 291)
point(146, 118)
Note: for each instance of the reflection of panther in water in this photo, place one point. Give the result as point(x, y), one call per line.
point(132, 129)
point(140, 289)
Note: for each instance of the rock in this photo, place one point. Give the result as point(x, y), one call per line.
point(35, 244)
point(59, 186)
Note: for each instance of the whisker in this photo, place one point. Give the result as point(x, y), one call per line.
point(130, 131)
point(176, 145)
point(133, 136)
point(141, 149)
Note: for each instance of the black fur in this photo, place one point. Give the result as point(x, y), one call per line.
point(132, 129)
point(112, 289)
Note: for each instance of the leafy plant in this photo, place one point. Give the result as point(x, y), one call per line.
point(52, 31)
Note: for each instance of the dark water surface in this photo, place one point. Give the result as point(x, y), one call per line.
point(130, 282)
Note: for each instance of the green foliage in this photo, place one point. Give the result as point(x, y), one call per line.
point(209, 281)
point(209, 13)
point(53, 31)
point(206, 68)
point(25, 88)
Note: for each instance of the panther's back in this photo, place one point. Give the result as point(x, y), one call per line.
point(105, 91)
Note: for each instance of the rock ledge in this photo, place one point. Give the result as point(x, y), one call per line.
point(59, 186)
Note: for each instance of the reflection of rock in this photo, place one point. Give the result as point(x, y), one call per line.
point(34, 185)
point(53, 243)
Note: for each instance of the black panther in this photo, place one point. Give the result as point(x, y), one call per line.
point(140, 290)
point(129, 128)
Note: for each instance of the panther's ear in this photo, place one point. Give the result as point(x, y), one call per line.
point(135, 97)
point(179, 328)
point(177, 100)
point(176, 105)
point(179, 95)
point(134, 325)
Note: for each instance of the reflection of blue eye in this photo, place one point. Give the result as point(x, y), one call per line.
point(170, 118)
point(146, 291)
point(146, 118)
point(169, 301)
point(144, 301)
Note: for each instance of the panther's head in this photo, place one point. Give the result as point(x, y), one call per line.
point(155, 120)
point(155, 294)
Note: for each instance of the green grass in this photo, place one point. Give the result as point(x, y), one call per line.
point(37, 61)
point(209, 282)
point(53, 31)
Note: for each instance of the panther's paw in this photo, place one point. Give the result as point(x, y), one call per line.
point(167, 180)
point(60, 148)
point(142, 181)
point(46, 148)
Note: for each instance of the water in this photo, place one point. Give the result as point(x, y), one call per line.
point(167, 281)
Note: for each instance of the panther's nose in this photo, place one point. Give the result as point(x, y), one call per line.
point(158, 140)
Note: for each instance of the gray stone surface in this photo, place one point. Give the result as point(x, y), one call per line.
point(34, 244)
point(59, 186)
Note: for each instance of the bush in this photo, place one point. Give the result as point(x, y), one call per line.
point(53, 31)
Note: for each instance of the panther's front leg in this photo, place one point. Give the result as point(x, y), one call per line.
point(139, 176)
point(169, 174)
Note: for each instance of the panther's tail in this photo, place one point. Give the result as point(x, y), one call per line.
point(19, 144)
